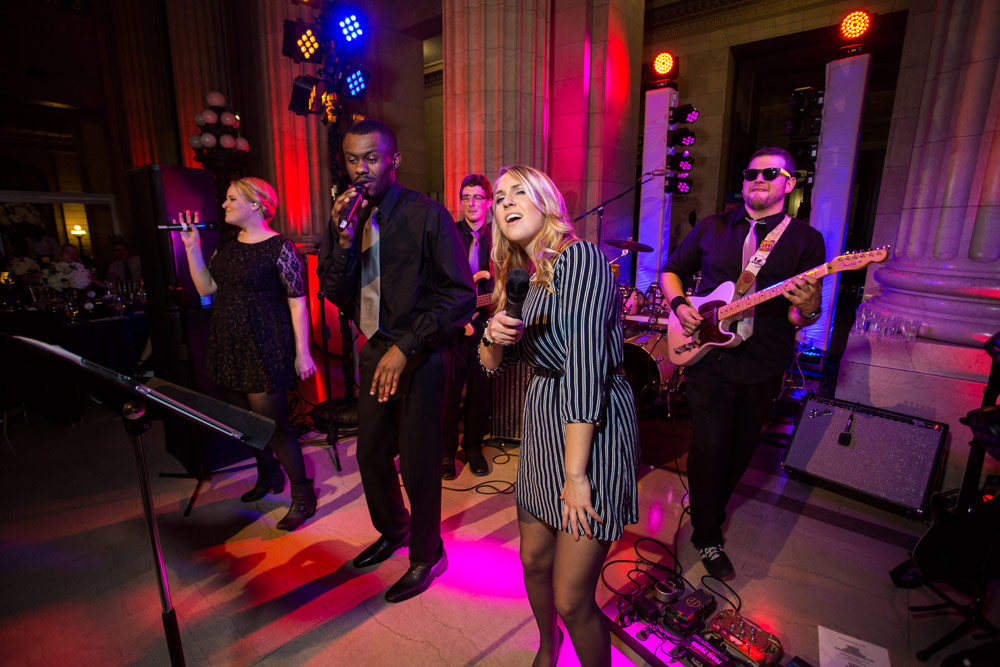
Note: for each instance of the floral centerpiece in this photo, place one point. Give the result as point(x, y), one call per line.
point(23, 265)
point(65, 275)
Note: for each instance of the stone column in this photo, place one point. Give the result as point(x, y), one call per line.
point(939, 207)
point(291, 150)
point(945, 269)
point(200, 48)
point(497, 61)
point(551, 84)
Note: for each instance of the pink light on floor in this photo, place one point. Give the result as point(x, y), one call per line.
point(468, 561)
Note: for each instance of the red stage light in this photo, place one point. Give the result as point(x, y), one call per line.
point(855, 24)
point(664, 64)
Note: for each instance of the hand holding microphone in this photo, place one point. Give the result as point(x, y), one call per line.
point(346, 209)
point(506, 328)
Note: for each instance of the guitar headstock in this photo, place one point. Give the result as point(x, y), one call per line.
point(858, 259)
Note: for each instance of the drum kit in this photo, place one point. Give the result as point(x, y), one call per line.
point(646, 366)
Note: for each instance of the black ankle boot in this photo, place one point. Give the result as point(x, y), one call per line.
point(270, 481)
point(303, 506)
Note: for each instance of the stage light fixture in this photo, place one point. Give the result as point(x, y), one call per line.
point(680, 163)
point(350, 27)
point(302, 42)
point(685, 113)
point(664, 64)
point(681, 137)
point(356, 82)
point(855, 24)
point(680, 184)
point(304, 90)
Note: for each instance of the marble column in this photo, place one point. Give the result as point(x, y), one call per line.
point(551, 84)
point(146, 104)
point(497, 62)
point(945, 268)
point(291, 150)
point(938, 207)
point(200, 48)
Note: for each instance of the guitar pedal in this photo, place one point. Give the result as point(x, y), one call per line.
point(744, 640)
point(689, 612)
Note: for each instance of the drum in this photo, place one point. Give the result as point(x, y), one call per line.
point(632, 299)
point(648, 370)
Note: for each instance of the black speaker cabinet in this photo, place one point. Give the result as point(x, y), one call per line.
point(158, 194)
point(886, 459)
point(509, 388)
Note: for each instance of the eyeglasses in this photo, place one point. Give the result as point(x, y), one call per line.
point(769, 174)
point(476, 198)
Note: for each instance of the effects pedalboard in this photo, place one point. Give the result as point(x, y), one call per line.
point(729, 640)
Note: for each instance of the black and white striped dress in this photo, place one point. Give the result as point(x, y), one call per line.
point(577, 330)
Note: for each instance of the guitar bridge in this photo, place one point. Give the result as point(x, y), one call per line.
point(686, 347)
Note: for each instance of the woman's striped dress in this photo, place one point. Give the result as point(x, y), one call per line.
point(577, 331)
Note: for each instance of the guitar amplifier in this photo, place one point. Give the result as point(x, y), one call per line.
point(509, 388)
point(886, 459)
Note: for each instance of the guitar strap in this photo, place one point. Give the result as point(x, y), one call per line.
point(745, 283)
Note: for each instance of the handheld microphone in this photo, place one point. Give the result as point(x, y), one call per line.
point(517, 289)
point(844, 439)
point(350, 213)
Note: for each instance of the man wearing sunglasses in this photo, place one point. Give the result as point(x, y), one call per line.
point(474, 230)
point(730, 390)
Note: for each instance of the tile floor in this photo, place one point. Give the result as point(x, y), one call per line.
point(78, 586)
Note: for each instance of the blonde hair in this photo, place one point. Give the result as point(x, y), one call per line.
point(555, 235)
point(258, 191)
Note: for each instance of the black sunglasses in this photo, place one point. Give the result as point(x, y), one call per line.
point(769, 174)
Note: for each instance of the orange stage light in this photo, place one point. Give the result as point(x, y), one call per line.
point(664, 63)
point(855, 24)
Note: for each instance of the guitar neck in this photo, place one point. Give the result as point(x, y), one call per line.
point(736, 307)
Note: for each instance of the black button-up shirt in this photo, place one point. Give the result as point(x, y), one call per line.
point(715, 247)
point(426, 284)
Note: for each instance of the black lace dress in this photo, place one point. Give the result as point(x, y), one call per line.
point(251, 343)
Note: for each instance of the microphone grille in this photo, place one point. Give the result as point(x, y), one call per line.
point(517, 284)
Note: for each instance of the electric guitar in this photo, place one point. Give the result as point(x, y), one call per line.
point(720, 311)
point(482, 301)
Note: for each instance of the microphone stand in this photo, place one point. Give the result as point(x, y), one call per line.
point(599, 209)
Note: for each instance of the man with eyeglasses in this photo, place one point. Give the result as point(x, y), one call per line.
point(730, 390)
point(474, 230)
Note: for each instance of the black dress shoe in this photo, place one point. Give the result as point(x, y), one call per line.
point(416, 580)
point(448, 468)
point(477, 464)
point(378, 552)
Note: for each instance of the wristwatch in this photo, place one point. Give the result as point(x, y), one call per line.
point(811, 316)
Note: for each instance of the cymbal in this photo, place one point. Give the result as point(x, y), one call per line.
point(629, 244)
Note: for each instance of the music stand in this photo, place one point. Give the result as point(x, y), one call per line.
point(253, 430)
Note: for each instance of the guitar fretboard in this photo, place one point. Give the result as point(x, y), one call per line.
point(766, 294)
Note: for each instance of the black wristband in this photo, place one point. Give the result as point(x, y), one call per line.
point(677, 302)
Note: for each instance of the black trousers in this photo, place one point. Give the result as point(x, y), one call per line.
point(409, 425)
point(467, 372)
point(726, 421)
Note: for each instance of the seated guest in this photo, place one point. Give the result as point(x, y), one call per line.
point(125, 267)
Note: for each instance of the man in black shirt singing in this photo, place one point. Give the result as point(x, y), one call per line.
point(400, 272)
point(730, 390)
